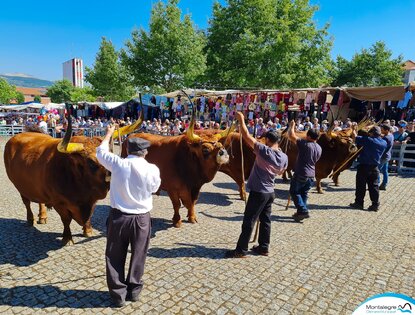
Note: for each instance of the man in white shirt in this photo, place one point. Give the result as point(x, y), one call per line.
point(133, 180)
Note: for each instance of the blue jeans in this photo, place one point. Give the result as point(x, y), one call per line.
point(383, 169)
point(298, 191)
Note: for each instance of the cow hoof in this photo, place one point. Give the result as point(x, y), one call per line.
point(88, 233)
point(177, 224)
point(336, 184)
point(42, 221)
point(320, 192)
point(67, 242)
point(193, 220)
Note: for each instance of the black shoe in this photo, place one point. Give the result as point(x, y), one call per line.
point(355, 205)
point(259, 251)
point(382, 187)
point(131, 297)
point(117, 304)
point(234, 254)
point(373, 208)
point(298, 217)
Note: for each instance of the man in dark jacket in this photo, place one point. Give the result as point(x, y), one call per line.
point(368, 169)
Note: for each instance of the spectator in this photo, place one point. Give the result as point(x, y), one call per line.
point(401, 134)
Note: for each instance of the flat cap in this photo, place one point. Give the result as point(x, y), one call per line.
point(135, 144)
point(375, 131)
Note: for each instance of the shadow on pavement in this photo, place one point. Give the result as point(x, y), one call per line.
point(191, 250)
point(216, 199)
point(23, 245)
point(41, 296)
point(276, 218)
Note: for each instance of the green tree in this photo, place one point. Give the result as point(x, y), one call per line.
point(83, 94)
point(37, 99)
point(19, 97)
point(60, 91)
point(371, 67)
point(267, 44)
point(170, 55)
point(108, 77)
point(7, 92)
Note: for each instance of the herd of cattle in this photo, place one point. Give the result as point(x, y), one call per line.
point(69, 178)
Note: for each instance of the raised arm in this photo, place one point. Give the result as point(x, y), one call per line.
point(291, 132)
point(244, 131)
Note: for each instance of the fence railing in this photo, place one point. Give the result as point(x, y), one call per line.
point(10, 131)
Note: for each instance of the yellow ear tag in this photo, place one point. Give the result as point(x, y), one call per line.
point(72, 147)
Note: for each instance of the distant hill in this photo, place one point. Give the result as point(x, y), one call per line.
point(24, 80)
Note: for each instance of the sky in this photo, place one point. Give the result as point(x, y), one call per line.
point(36, 37)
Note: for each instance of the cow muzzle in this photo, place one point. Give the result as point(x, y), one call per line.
point(222, 157)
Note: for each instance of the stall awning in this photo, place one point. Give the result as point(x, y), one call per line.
point(381, 93)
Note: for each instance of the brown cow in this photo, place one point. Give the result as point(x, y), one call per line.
point(186, 162)
point(336, 149)
point(58, 174)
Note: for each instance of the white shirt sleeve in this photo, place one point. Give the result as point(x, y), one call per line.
point(106, 158)
point(156, 181)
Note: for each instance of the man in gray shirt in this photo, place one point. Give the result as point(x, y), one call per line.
point(309, 152)
point(270, 161)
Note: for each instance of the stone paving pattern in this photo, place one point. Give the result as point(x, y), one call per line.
point(327, 265)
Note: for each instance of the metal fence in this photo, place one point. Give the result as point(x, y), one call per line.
point(10, 131)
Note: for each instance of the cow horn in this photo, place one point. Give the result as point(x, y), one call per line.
point(226, 132)
point(190, 131)
point(65, 146)
point(128, 129)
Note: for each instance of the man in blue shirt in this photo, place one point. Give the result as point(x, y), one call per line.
point(309, 152)
point(387, 155)
point(367, 170)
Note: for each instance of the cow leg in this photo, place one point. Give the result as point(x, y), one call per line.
point(43, 215)
point(318, 186)
point(336, 179)
point(177, 222)
point(66, 220)
point(87, 228)
point(242, 192)
point(191, 215)
point(29, 214)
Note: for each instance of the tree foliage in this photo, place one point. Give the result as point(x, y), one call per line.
point(108, 76)
point(9, 94)
point(37, 99)
point(60, 91)
point(170, 55)
point(85, 94)
point(371, 67)
point(19, 97)
point(267, 44)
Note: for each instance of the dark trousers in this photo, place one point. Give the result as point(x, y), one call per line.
point(367, 175)
point(124, 230)
point(258, 206)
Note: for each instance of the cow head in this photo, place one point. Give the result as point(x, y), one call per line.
point(208, 145)
point(339, 146)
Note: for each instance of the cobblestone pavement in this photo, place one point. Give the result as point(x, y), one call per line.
point(327, 265)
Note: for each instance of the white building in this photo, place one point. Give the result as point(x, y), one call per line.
point(73, 70)
point(409, 69)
